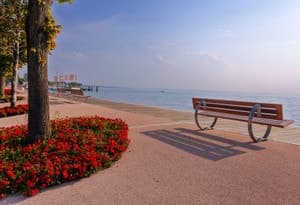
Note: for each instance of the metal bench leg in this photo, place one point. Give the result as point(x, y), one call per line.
point(259, 139)
point(256, 108)
point(198, 124)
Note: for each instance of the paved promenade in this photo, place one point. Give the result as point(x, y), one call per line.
point(170, 162)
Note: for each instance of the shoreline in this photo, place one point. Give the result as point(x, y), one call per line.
point(135, 108)
point(140, 109)
point(181, 100)
point(174, 114)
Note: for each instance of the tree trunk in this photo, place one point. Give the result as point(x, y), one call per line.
point(37, 51)
point(2, 85)
point(14, 80)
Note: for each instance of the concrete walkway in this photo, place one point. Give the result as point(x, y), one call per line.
point(170, 162)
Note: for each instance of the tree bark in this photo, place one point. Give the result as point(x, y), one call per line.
point(2, 85)
point(14, 80)
point(37, 51)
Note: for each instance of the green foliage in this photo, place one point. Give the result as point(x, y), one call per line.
point(5, 64)
point(76, 84)
point(65, 1)
point(12, 32)
point(52, 30)
point(12, 29)
point(20, 80)
point(12, 26)
point(51, 83)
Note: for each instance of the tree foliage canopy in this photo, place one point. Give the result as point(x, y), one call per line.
point(12, 30)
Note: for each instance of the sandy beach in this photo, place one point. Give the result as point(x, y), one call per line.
point(170, 162)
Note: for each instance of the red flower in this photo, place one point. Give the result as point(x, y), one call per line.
point(11, 174)
point(9, 111)
point(65, 174)
point(30, 184)
point(4, 182)
point(27, 166)
point(94, 163)
point(49, 167)
point(32, 192)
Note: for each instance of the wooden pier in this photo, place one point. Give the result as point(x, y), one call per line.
point(91, 88)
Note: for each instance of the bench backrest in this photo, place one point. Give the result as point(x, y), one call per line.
point(77, 92)
point(267, 110)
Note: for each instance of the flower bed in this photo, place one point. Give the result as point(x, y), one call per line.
point(76, 148)
point(9, 111)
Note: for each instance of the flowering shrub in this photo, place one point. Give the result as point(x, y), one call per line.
point(10, 111)
point(7, 91)
point(76, 148)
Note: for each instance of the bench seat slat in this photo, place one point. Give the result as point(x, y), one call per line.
point(263, 121)
point(240, 107)
point(238, 112)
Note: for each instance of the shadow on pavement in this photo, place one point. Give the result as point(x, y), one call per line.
point(201, 144)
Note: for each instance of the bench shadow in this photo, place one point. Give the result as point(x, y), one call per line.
point(202, 144)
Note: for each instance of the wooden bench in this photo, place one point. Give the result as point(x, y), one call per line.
point(251, 112)
point(78, 93)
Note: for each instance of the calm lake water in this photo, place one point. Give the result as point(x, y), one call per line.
point(181, 99)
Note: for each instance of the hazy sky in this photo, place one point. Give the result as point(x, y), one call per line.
point(245, 45)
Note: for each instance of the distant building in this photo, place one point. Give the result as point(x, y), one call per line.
point(65, 78)
point(66, 81)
